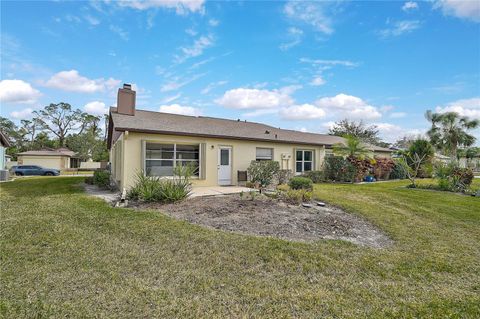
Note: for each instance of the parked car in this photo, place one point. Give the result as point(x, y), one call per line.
point(28, 170)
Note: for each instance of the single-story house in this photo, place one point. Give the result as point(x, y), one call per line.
point(4, 143)
point(61, 158)
point(155, 142)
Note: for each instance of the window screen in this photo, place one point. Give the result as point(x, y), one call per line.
point(264, 154)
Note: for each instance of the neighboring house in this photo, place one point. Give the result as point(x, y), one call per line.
point(4, 143)
point(155, 143)
point(61, 158)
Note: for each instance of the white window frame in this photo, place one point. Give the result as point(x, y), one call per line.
point(174, 159)
point(303, 161)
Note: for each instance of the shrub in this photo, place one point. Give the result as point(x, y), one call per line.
point(398, 172)
point(362, 167)
point(383, 167)
point(297, 196)
point(453, 178)
point(263, 172)
point(89, 180)
point(315, 176)
point(101, 179)
point(151, 188)
point(283, 187)
point(284, 175)
point(300, 182)
point(338, 169)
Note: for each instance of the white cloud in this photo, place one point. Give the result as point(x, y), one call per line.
point(213, 22)
point(179, 109)
point(464, 107)
point(260, 112)
point(295, 35)
point(196, 49)
point(317, 81)
point(469, 10)
point(302, 112)
point(329, 62)
point(23, 114)
point(409, 5)
point(181, 7)
point(398, 115)
point(17, 91)
point(92, 20)
point(399, 28)
point(96, 108)
point(74, 82)
point(177, 82)
point(191, 31)
point(118, 30)
point(169, 99)
point(310, 13)
point(348, 106)
point(212, 85)
point(242, 98)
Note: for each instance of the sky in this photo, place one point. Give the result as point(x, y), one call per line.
point(294, 65)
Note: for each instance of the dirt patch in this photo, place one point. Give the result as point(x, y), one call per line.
point(107, 195)
point(269, 217)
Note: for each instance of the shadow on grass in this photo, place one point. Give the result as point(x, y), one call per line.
point(42, 186)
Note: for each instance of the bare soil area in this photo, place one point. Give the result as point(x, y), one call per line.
point(269, 217)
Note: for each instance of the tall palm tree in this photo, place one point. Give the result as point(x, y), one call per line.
point(449, 131)
point(352, 147)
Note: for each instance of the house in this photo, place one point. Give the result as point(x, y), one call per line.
point(155, 143)
point(61, 158)
point(4, 143)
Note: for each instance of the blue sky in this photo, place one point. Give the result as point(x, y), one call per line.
point(297, 65)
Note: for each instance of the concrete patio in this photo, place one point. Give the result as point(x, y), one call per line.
point(199, 191)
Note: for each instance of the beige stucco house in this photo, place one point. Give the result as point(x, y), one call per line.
point(154, 143)
point(61, 158)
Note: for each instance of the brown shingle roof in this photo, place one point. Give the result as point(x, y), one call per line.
point(166, 123)
point(50, 152)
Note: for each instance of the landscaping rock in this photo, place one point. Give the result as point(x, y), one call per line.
point(307, 205)
point(321, 204)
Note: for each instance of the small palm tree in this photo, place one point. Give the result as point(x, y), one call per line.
point(351, 147)
point(449, 131)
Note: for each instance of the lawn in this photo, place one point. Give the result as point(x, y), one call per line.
point(64, 254)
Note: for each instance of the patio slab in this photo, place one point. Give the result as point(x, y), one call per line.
point(199, 191)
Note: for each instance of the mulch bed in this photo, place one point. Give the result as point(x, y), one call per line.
point(270, 217)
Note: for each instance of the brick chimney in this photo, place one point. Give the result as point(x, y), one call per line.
point(126, 100)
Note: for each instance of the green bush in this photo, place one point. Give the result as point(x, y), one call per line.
point(398, 171)
point(89, 180)
point(155, 189)
point(338, 169)
point(263, 172)
point(297, 196)
point(101, 179)
point(315, 176)
point(300, 182)
point(453, 178)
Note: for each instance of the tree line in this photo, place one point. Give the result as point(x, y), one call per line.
point(448, 134)
point(59, 125)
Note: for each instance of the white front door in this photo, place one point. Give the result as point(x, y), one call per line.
point(224, 165)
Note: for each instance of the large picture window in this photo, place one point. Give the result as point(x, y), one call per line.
point(304, 161)
point(264, 154)
point(161, 159)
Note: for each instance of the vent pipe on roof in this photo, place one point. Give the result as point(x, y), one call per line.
point(126, 100)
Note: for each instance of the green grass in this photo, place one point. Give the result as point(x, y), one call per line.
point(64, 254)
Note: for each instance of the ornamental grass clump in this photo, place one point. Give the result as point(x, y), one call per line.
point(156, 189)
point(300, 182)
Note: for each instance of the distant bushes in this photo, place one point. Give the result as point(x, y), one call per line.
point(100, 178)
point(338, 169)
